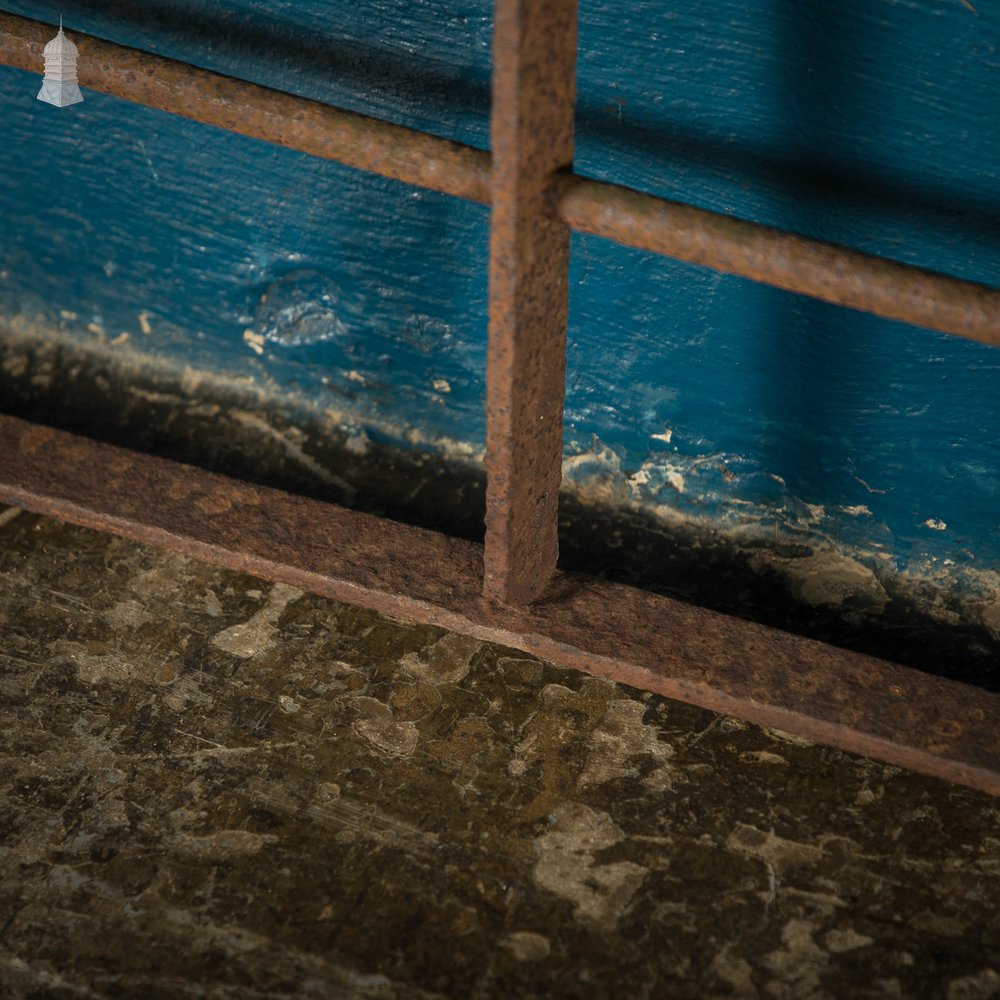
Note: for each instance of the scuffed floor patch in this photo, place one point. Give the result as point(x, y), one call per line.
point(212, 786)
point(256, 634)
point(600, 893)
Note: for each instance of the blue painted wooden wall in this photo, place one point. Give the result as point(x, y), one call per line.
point(703, 398)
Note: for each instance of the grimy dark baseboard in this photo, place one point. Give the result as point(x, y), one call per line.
point(101, 396)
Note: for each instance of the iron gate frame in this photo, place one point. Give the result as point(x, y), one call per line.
point(509, 590)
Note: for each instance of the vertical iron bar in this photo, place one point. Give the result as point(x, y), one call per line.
point(534, 92)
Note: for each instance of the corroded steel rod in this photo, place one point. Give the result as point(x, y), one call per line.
point(534, 95)
point(261, 112)
point(843, 699)
point(785, 260)
point(811, 267)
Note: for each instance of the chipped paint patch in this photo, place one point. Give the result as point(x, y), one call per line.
point(640, 477)
point(798, 965)
point(990, 617)
point(378, 726)
point(826, 578)
point(97, 662)
point(447, 661)
point(527, 946)
point(600, 893)
point(185, 693)
point(256, 635)
point(858, 510)
point(620, 738)
point(816, 512)
point(358, 443)
point(213, 606)
point(736, 973)
point(597, 474)
point(674, 477)
point(128, 614)
point(254, 340)
point(773, 850)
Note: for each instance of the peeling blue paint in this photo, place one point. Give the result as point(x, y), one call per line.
point(866, 122)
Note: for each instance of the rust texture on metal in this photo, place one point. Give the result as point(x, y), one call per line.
point(735, 246)
point(773, 257)
point(838, 698)
point(534, 94)
point(274, 116)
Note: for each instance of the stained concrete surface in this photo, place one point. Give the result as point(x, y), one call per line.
point(212, 786)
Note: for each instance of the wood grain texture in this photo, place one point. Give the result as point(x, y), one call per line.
point(864, 124)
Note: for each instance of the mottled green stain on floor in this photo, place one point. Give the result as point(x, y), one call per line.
point(213, 786)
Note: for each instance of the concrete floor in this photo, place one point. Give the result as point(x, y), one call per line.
point(211, 786)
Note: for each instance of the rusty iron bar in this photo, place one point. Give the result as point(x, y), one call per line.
point(534, 98)
point(838, 698)
point(785, 260)
point(810, 267)
point(261, 112)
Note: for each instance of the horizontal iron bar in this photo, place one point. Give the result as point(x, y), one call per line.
point(785, 260)
point(810, 267)
point(260, 112)
point(842, 699)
